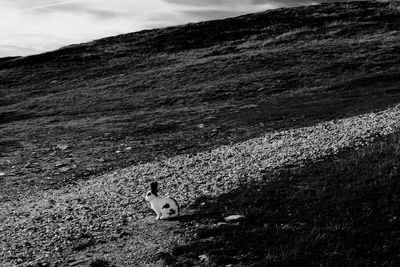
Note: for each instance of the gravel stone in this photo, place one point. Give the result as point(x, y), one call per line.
point(55, 221)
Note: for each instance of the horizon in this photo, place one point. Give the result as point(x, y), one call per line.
point(46, 25)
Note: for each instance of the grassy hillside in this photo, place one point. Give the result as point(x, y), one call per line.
point(89, 108)
point(217, 111)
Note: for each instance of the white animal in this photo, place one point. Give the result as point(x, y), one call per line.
point(165, 207)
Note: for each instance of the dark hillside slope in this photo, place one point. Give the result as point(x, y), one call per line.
point(88, 108)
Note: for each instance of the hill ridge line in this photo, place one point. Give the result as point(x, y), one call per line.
point(141, 40)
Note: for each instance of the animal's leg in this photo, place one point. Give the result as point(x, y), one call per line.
point(159, 215)
point(164, 216)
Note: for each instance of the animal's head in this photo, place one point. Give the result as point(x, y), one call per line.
point(152, 194)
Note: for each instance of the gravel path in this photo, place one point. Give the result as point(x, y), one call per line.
point(107, 215)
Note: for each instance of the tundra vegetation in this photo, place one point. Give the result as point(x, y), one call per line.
point(287, 117)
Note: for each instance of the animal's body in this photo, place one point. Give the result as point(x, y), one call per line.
point(164, 207)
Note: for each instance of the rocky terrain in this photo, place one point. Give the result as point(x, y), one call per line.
point(109, 211)
point(208, 109)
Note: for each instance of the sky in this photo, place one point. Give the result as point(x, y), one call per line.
point(35, 26)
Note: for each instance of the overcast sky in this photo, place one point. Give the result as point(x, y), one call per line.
point(35, 26)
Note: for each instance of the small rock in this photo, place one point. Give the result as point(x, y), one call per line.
point(62, 147)
point(76, 262)
point(128, 148)
point(204, 258)
point(64, 169)
point(208, 239)
point(248, 106)
point(201, 126)
point(2, 174)
point(60, 164)
point(232, 218)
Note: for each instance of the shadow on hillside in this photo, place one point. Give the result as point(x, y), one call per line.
point(343, 211)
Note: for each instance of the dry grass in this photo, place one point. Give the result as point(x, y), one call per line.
point(151, 90)
point(343, 211)
point(165, 95)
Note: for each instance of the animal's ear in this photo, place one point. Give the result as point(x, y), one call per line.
point(154, 186)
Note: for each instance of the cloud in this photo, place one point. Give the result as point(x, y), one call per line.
point(223, 6)
point(47, 5)
point(195, 10)
point(211, 14)
point(230, 3)
point(78, 8)
point(29, 27)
